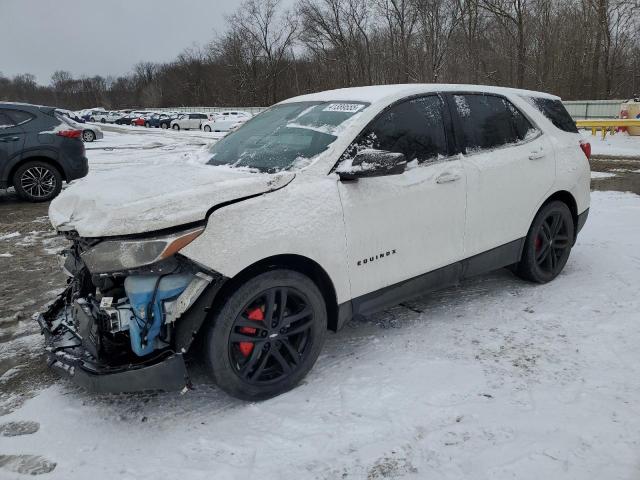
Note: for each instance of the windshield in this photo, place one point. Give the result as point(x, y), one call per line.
point(285, 136)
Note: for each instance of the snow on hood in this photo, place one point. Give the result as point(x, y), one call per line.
point(134, 200)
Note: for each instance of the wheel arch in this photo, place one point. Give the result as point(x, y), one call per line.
point(297, 263)
point(567, 198)
point(35, 158)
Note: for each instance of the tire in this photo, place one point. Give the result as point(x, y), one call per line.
point(92, 119)
point(37, 181)
point(103, 120)
point(88, 136)
point(279, 357)
point(176, 126)
point(548, 244)
point(164, 126)
point(207, 128)
point(147, 124)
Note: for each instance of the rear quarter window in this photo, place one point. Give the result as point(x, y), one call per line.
point(554, 110)
point(20, 117)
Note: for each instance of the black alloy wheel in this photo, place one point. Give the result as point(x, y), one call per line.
point(267, 335)
point(37, 181)
point(271, 335)
point(548, 244)
point(552, 243)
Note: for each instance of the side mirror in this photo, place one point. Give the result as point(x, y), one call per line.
point(372, 163)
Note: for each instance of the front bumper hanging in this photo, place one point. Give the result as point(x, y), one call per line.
point(71, 352)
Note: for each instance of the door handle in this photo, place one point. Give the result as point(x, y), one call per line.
point(536, 154)
point(448, 177)
point(9, 139)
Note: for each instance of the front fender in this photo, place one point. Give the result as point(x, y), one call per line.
point(303, 219)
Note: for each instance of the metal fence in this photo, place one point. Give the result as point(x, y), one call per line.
point(252, 110)
point(586, 109)
point(578, 109)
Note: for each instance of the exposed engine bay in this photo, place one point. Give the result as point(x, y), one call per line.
point(123, 323)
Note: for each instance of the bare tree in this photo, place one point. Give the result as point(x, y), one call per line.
point(511, 14)
point(271, 33)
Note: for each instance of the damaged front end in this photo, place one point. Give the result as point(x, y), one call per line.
point(129, 312)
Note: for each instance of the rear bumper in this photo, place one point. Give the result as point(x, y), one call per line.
point(78, 168)
point(69, 354)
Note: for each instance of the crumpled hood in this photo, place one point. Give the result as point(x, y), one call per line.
point(136, 200)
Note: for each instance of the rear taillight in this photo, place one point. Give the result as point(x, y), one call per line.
point(586, 148)
point(69, 133)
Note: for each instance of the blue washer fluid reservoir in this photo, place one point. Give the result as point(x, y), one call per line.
point(140, 290)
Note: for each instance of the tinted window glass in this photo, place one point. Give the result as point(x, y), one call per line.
point(521, 124)
point(555, 111)
point(5, 121)
point(414, 128)
point(485, 120)
point(20, 117)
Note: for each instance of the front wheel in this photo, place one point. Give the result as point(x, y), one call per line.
point(164, 126)
point(267, 335)
point(176, 126)
point(147, 124)
point(548, 244)
point(207, 128)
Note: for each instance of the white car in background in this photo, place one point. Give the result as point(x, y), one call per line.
point(226, 121)
point(189, 121)
point(105, 117)
point(89, 132)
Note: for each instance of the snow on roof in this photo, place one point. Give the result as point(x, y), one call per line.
point(387, 93)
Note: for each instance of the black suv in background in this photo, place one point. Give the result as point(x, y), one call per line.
point(39, 150)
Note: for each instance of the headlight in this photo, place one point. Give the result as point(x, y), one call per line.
point(117, 255)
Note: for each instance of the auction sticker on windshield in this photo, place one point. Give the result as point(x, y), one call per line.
point(343, 107)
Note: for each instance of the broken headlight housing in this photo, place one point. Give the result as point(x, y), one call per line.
point(126, 254)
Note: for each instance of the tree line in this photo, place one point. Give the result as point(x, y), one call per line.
point(577, 49)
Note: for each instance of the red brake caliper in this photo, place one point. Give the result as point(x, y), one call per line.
point(538, 243)
point(254, 314)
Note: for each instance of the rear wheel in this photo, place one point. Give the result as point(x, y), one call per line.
point(548, 244)
point(147, 124)
point(267, 335)
point(176, 126)
point(164, 126)
point(207, 128)
point(102, 120)
point(37, 181)
point(88, 136)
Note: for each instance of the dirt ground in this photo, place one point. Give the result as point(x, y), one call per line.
point(31, 278)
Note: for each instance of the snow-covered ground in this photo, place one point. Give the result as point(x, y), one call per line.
point(618, 145)
point(494, 379)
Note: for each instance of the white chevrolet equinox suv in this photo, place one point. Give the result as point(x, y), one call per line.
point(321, 208)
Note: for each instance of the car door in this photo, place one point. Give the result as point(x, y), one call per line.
point(11, 137)
point(510, 167)
point(401, 226)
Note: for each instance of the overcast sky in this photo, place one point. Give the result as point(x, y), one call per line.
point(105, 37)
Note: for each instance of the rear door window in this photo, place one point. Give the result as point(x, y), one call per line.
point(485, 121)
point(414, 128)
point(554, 110)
